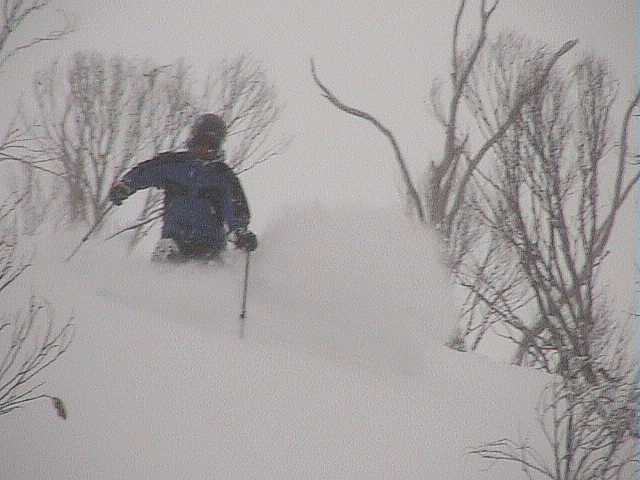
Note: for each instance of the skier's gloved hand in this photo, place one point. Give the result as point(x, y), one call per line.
point(244, 239)
point(119, 193)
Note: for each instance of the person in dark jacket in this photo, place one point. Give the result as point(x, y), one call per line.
point(202, 196)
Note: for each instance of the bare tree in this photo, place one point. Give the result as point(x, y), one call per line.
point(29, 344)
point(240, 90)
point(544, 204)
point(449, 178)
point(549, 209)
point(14, 15)
point(29, 341)
point(509, 202)
point(33, 343)
point(453, 184)
point(526, 212)
point(91, 126)
point(104, 115)
point(591, 431)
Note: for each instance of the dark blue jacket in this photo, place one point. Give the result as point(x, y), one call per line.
point(199, 197)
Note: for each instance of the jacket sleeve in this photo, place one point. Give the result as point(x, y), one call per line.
point(236, 207)
point(146, 174)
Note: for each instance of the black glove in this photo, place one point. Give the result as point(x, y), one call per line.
point(244, 239)
point(119, 193)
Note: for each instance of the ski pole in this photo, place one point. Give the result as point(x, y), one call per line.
point(243, 312)
point(91, 230)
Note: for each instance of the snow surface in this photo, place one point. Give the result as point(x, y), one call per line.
point(342, 375)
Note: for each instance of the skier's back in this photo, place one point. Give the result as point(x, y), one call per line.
point(202, 196)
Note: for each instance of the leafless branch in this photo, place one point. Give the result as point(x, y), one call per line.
point(29, 342)
point(406, 176)
point(591, 432)
point(152, 218)
point(14, 15)
point(33, 346)
point(240, 90)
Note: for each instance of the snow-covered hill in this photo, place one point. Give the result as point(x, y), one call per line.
point(342, 374)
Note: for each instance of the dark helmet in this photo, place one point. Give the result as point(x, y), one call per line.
point(208, 130)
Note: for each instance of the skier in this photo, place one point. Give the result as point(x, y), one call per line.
point(201, 196)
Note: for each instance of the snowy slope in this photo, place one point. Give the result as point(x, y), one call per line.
point(342, 374)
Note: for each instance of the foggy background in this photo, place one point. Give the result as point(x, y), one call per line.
point(380, 56)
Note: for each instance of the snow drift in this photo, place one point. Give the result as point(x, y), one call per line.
point(342, 374)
